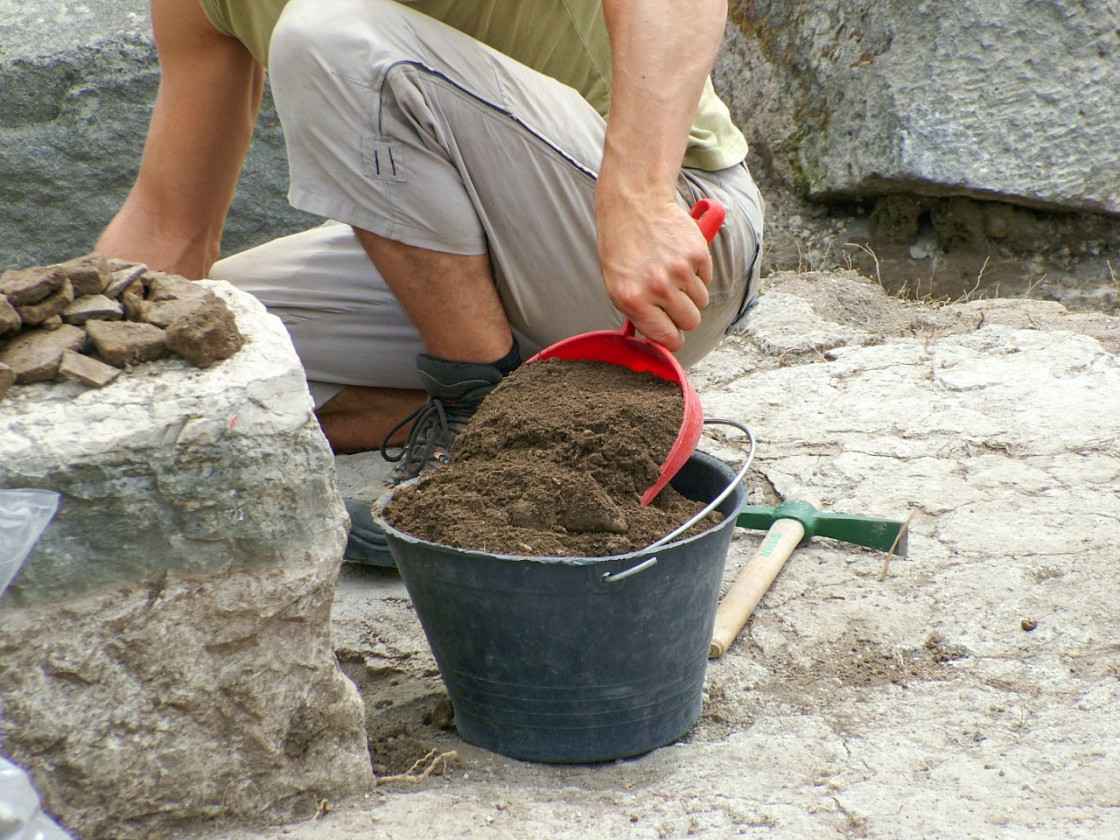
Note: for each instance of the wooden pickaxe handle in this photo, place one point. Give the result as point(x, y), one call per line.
point(754, 580)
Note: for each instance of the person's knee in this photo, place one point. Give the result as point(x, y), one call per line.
point(235, 269)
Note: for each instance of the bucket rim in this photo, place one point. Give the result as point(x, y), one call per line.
point(564, 560)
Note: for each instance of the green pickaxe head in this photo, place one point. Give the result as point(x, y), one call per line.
point(872, 532)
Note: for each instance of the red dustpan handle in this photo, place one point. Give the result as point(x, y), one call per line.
point(709, 215)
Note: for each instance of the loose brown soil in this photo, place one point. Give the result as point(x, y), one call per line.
point(554, 464)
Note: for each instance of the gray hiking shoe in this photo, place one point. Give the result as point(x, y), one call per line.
point(367, 544)
point(455, 391)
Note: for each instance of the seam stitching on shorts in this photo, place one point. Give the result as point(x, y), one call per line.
point(509, 115)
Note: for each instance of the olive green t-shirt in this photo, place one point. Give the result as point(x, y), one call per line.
point(565, 39)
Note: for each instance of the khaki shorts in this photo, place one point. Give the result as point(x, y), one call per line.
point(403, 126)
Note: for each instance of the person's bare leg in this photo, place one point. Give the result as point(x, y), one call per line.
point(456, 309)
point(450, 298)
point(357, 418)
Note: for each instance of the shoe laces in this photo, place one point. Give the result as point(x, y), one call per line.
point(435, 424)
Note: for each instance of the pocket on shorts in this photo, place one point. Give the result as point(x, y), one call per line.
point(384, 159)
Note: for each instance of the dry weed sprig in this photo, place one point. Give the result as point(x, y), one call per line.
point(967, 297)
point(1031, 286)
point(875, 257)
point(411, 776)
point(902, 533)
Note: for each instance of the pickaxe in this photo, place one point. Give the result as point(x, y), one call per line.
point(792, 523)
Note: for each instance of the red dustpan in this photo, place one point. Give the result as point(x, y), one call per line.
point(623, 347)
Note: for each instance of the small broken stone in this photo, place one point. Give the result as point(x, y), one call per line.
point(93, 307)
point(36, 355)
point(118, 264)
point(26, 286)
point(133, 304)
point(64, 297)
point(151, 276)
point(164, 313)
point(1028, 624)
point(122, 343)
point(89, 274)
point(171, 287)
point(124, 278)
point(206, 335)
point(9, 318)
point(441, 715)
point(7, 377)
point(53, 304)
point(86, 369)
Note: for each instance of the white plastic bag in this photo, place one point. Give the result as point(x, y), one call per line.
point(23, 516)
point(20, 815)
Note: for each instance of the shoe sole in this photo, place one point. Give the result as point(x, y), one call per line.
point(367, 544)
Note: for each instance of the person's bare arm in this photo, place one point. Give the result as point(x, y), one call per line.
point(655, 262)
point(209, 96)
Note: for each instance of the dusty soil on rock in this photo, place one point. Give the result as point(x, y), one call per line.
point(554, 464)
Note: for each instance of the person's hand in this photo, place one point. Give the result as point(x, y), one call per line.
point(656, 267)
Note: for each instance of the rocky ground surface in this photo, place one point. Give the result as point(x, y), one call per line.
point(967, 690)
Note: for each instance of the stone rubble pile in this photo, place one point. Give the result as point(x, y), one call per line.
point(89, 318)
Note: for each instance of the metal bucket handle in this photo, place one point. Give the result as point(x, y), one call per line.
point(614, 577)
point(714, 503)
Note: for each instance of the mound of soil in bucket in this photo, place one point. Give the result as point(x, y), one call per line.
point(554, 464)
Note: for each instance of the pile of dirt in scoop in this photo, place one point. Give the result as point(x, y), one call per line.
point(554, 464)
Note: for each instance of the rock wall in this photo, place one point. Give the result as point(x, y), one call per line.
point(967, 690)
point(166, 651)
point(77, 83)
point(1012, 100)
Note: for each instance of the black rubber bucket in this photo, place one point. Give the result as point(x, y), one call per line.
point(585, 659)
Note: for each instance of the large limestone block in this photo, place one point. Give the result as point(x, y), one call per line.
point(1013, 100)
point(173, 469)
point(143, 709)
point(166, 651)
